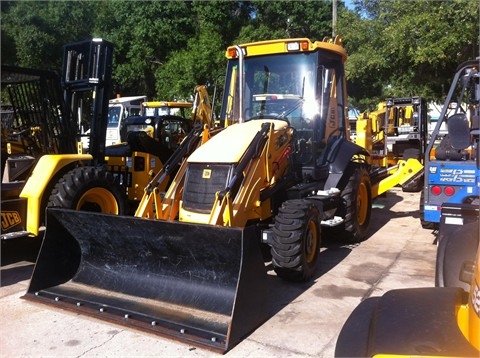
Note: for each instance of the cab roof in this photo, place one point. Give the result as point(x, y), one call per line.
point(288, 46)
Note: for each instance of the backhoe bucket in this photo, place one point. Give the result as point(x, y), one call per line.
point(201, 284)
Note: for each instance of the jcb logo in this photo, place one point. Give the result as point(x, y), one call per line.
point(332, 120)
point(9, 219)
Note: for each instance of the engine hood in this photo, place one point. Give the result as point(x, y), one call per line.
point(230, 144)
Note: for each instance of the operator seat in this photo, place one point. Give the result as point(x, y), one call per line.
point(453, 145)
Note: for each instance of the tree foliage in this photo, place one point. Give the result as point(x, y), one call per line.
point(37, 30)
point(405, 48)
point(164, 48)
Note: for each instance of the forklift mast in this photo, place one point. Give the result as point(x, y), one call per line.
point(87, 82)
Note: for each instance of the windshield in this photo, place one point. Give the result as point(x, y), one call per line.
point(280, 86)
point(114, 116)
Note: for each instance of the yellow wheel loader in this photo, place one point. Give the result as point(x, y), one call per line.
point(46, 165)
point(191, 263)
point(60, 106)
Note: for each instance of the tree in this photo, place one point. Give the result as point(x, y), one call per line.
point(403, 48)
point(202, 60)
point(284, 19)
point(164, 48)
point(144, 34)
point(37, 30)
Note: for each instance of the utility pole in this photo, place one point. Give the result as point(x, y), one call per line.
point(334, 18)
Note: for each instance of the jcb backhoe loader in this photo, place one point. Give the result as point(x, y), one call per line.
point(191, 264)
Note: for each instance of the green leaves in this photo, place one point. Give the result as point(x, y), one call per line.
point(405, 48)
point(164, 48)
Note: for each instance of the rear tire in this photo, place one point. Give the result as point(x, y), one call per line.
point(357, 197)
point(89, 189)
point(415, 184)
point(296, 240)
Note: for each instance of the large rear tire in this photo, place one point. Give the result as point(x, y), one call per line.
point(357, 197)
point(89, 189)
point(296, 240)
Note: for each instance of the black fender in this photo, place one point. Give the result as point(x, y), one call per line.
point(339, 158)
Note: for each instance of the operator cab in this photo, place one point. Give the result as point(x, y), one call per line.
point(303, 85)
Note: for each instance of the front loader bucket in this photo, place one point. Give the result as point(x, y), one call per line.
point(201, 284)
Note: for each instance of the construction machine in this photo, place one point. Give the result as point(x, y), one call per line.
point(162, 108)
point(451, 160)
point(164, 121)
point(51, 168)
point(35, 126)
point(396, 136)
point(119, 109)
point(453, 170)
point(149, 141)
point(191, 263)
point(55, 103)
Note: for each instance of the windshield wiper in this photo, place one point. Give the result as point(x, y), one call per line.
point(295, 105)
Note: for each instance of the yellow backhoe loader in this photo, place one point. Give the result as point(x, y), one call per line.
point(191, 263)
point(148, 142)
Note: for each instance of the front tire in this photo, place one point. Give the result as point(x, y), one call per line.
point(89, 189)
point(357, 197)
point(296, 240)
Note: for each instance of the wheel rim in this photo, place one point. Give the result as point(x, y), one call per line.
point(98, 200)
point(311, 241)
point(362, 203)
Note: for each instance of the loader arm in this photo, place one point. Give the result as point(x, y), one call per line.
point(222, 211)
point(151, 203)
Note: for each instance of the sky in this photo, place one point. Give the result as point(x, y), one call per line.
point(349, 4)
